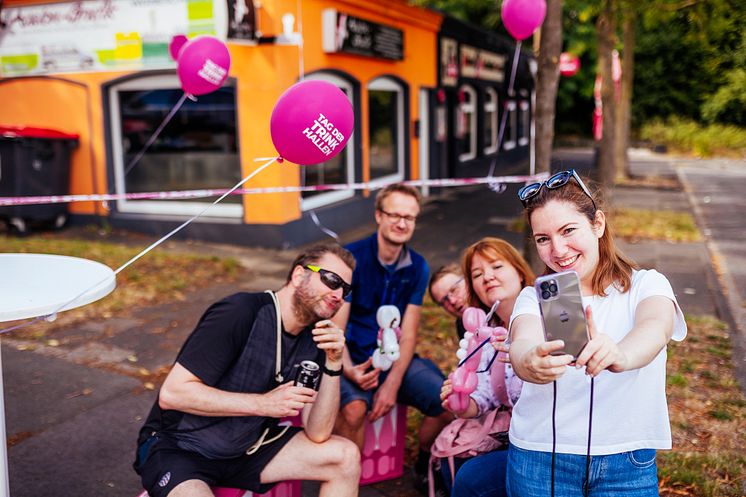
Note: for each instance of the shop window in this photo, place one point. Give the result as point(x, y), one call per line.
point(490, 121)
point(386, 130)
point(524, 123)
point(198, 149)
point(339, 170)
point(512, 126)
point(466, 123)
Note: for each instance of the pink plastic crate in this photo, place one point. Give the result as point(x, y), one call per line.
point(383, 452)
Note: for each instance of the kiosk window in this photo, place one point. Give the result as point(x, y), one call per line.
point(197, 149)
point(524, 123)
point(512, 126)
point(490, 121)
point(466, 123)
point(386, 130)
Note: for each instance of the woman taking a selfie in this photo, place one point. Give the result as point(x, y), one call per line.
point(610, 403)
point(496, 272)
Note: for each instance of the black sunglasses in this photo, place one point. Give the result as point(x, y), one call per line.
point(556, 181)
point(331, 279)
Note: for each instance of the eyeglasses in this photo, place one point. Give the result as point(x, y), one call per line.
point(556, 181)
point(451, 293)
point(395, 218)
point(331, 279)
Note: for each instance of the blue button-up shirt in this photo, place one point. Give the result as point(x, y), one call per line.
point(375, 284)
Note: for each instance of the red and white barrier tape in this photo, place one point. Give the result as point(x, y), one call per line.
point(188, 194)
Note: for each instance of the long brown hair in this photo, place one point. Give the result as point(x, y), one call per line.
point(492, 249)
point(613, 266)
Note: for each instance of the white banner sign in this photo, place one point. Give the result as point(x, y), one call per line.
point(102, 35)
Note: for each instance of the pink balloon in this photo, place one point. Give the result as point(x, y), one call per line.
point(473, 318)
point(177, 42)
point(203, 65)
point(311, 122)
point(522, 17)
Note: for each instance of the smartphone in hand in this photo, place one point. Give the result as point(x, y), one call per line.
point(562, 312)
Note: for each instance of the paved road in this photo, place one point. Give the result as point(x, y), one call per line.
point(717, 192)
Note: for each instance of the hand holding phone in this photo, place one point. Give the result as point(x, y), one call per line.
point(562, 313)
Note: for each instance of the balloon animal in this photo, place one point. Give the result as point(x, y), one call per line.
point(464, 380)
point(387, 353)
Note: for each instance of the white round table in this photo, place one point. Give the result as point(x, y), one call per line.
point(40, 284)
point(33, 285)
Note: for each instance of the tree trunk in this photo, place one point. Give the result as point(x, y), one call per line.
point(624, 114)
point(605, 29)
point(550, 48)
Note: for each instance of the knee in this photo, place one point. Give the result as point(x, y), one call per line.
point(353, 414)
point(345, 458)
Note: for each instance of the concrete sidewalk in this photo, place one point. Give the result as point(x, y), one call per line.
point(69, 444)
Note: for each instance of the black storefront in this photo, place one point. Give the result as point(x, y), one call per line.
point(472, 101)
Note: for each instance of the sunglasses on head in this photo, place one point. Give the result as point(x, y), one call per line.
point(556, 181)
point(331, 280)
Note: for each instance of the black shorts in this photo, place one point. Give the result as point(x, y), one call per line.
point(166, 465)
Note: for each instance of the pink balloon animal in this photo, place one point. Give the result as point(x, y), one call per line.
point(464, 380)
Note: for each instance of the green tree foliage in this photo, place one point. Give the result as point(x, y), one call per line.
point(575, 94)
point(728, 103)
point(690, 58)
point(484, 13)
point(687, 61)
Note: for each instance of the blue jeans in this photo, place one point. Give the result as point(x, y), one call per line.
point(629, 474)
point(420, 388)
point(480, 476)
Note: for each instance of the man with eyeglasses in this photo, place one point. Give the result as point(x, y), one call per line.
point(388, 273)
point(216, 421)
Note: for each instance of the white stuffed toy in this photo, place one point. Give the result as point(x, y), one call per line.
point(388, 318)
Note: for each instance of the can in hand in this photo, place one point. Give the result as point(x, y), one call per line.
point(308, 375)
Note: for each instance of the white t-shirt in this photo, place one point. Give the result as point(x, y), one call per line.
point(629, 409)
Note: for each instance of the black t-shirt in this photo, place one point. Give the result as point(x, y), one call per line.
point(233, 348)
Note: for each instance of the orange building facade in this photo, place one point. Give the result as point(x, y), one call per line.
point(101, 70)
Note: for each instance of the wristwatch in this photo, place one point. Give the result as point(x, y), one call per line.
point(330, 372)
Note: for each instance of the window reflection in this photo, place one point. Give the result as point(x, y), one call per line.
point(197, 149)
point(383, 129)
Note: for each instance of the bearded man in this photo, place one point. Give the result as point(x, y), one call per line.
point(216, 421)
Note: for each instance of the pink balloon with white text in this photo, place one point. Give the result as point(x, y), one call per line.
point(311, 122)
point(203, 65)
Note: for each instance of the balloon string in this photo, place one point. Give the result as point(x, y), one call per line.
point(35, 320)
point(188, 221)
point(516, 57)
point(157, 132)
point(323, 228)
point(148, 249)
point(513, 70)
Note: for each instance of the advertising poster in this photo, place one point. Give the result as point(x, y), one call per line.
point(102, 35)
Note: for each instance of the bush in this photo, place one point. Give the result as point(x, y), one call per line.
point(689, 137)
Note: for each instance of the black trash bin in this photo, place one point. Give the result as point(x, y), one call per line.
point(34, 162)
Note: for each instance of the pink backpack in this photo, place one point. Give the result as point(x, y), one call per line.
point(472, 436)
